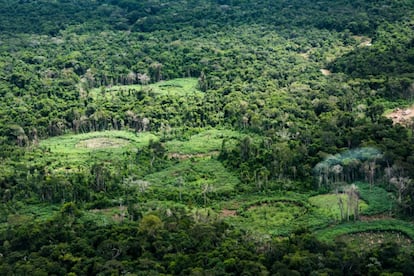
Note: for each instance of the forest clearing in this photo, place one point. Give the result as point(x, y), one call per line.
point(225, 137)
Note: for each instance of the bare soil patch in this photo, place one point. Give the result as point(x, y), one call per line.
point(364, 41)
point(325, 72)
point(102, 143)
point(228, 213)
point(375, 217)
point(402, 116)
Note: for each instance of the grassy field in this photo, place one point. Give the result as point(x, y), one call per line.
point(77, 143)
point(175, 87)
point(202, 143)
point(190, 177)
point(375, 207)
point(198, 181)
point(79, 149)
point(328, 205)
point(278, 217)
point(262, 214)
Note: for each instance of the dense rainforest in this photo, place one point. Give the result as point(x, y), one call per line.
point(206, 137)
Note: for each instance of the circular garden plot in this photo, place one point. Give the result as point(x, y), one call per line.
point(273, 217)
point(82, 150)
point(369, 240)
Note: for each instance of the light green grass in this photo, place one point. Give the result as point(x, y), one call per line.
point(271, 215)
point(105, 216)
point(69, 150)
point(174, 87)
point(242, 202)
point(379, 200)
point(276, 217)
point(68, 143)
point(204, 142)
point(29, 213)
point(328, 205)
point(294, 211)
point(191, 175)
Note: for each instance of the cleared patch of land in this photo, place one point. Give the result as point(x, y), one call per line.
point(77, 143)
point(102, 143)
point(304, 55)
point(385, 225)
point(371, 240)
point(328, 204)
point(363, 41)
point(402, 116)
point(71, 151)
point(207, 142)
point(197, 178)
point(228, 213)
point(192, 176)
point(116, 214)
point(275, 217)
point(174, 87)
point(325, 72)
point(188, 156)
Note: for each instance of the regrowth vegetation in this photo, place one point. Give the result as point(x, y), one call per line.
point(206, 137)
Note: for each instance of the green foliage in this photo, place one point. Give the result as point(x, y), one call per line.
point(275, 218)
point(69, 143)
point(150, 224)
point(81, 146)
point(372, 240)
point(179, 87)
point(274, 215)
point(137, 138)
point(205, 142)
point(19, 214)
point(383, 225)
point(185, 180)
point(71, 153)
point(104, 216)
point(379, 200)
point(328, 205)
